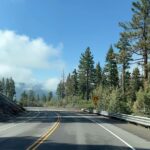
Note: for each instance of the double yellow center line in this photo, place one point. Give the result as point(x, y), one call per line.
point(44, 137)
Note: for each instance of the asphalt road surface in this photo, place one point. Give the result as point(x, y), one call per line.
point(55, 129)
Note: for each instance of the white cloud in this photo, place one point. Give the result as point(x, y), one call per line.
point(20, 50)
point(19, 74)
point(51, 84)
point(20, 56)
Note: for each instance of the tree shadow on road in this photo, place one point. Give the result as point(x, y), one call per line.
point(70, 117)
point(47, 116)
point(22, 143)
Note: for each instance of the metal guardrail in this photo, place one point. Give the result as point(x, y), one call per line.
point(145, 121)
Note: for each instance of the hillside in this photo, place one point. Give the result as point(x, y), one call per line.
point(8, 108)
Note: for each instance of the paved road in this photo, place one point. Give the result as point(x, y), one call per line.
point(47, 129)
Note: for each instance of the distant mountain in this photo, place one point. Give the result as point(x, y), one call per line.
point(38, 88)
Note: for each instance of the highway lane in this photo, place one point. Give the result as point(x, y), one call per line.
point(45, 129)
point(24, 130)
point(87, 132)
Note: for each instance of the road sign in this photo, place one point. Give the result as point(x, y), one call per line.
point(95, 100)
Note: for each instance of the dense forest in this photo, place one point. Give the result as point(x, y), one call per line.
point(32, 98)
point(27, 97)
point(123, 84)
point(7, 87)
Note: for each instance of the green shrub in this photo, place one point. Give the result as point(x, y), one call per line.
point(118, 102)
point(142, 104)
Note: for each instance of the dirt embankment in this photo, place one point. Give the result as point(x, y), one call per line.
point(8, 108)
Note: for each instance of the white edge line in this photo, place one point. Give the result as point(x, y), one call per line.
point(112, 133)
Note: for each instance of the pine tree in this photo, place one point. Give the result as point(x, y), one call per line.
point(137, 30)
point(111, 68)
point(136, 79)
point(31, 97)
point(104, 77)
point(69, 86)
point(130, 93)
point(86, 74)
point(44, 99)
point(3, 86)
point(61, 87)
point(38, 98)
point(74, 78)
point(11, 89)
point(127, 80)
point(60, 90)
point(124, 57)
point(24, 99)
point(98, 74)
point(7, 87)
point(50, 96)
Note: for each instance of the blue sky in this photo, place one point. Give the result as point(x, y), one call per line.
point(70, 26)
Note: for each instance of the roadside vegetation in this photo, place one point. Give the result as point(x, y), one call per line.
point(123, 84)
point(31, 98)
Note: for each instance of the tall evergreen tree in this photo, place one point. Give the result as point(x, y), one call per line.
point(61, 87)
point(69, 86)
point(104, 77)
point(134, 84)
point(7, 87)
point(60, 90)
point(11, 89)
point(24, 99)
point(127, 80)
point(137, 31)
point(50, 96)
point(136, 79)
point(3, 86)
point(98, 74)
point(75, 82)
point(111, 68)
point(124, 57)
point(38, 98)
point(86, 74)
point(31, 97)
point(44, 99)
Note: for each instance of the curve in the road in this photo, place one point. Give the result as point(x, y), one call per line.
point(45, 136)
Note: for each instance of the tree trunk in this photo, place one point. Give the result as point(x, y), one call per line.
point(145, 52)
point(123, 79)
point(87, 86)
point(145, 65)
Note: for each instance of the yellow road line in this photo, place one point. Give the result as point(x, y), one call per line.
point(44, 137)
